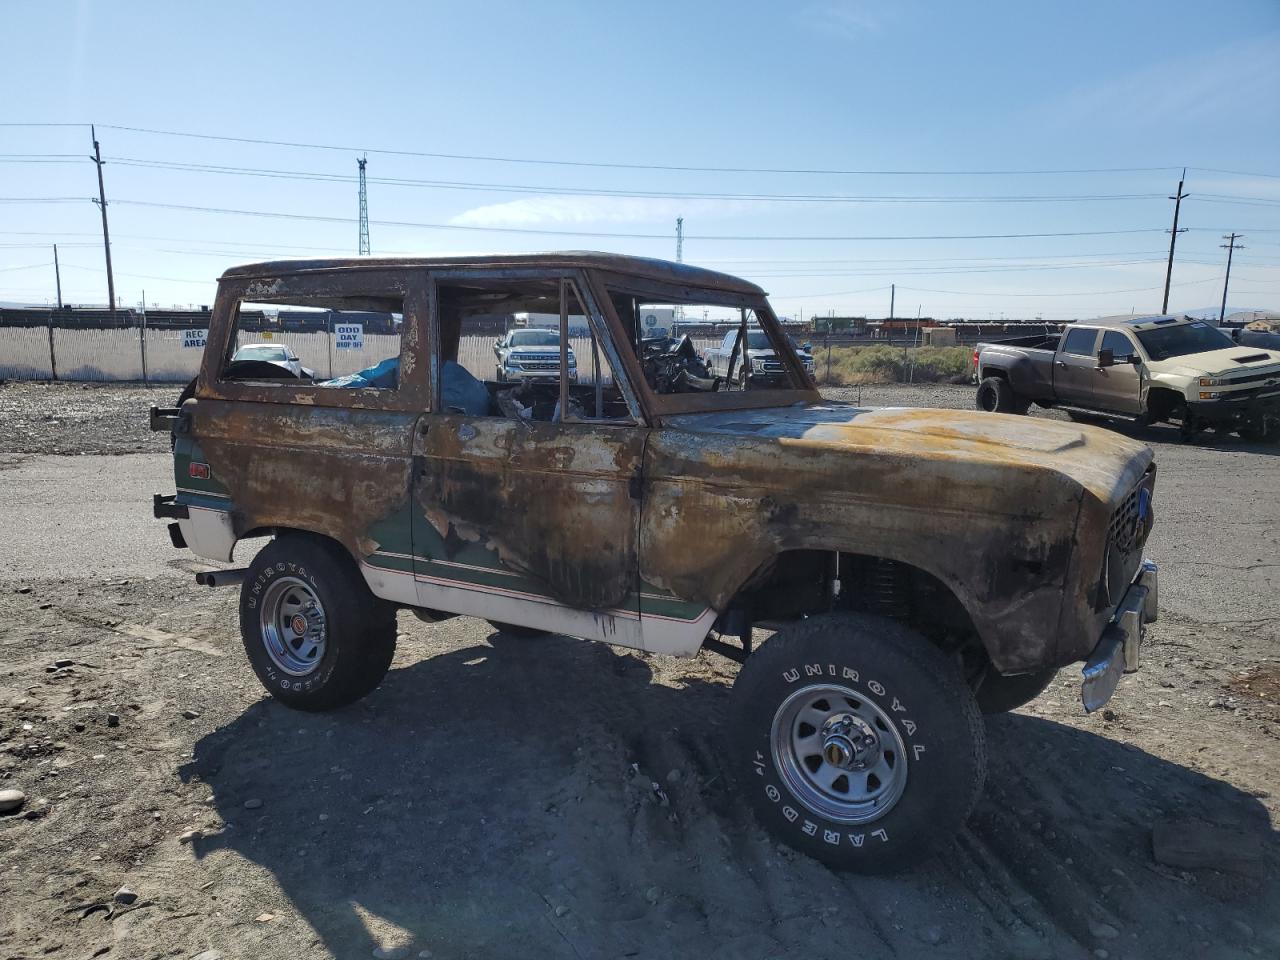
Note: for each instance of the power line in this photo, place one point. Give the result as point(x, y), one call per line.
point(318, 218)
point(620, 166)
point(554, 190)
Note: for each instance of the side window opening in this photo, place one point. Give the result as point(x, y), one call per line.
point(1080, 342)
point(335, 342)
point(673, 362)
point(505, 350)
point(1121, 346)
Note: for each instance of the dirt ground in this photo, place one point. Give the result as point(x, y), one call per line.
point(494, 798)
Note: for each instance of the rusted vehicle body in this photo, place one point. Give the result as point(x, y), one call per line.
point(916, 565)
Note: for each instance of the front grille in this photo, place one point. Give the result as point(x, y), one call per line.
point(538, 365)
point(1126, 534)
point(1126, 527)
point(1269, 374)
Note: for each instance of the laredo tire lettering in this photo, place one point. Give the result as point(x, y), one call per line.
point(897, 672)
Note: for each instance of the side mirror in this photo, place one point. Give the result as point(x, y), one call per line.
point(1134, 359)
point(1106, 358)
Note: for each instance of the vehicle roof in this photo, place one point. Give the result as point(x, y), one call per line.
point(1127, 321)
point(647, 267)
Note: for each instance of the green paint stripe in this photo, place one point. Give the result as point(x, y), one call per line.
point(199, 500)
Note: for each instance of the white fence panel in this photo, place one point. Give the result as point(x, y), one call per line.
point(24, 353)
point(98, 354)
point(168, 361)
point(116, 354)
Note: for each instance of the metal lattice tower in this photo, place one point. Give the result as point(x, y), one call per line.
point(364, 211)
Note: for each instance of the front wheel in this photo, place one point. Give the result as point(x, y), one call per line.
point(1260, 429)
point(857, 742)
point(314, 633)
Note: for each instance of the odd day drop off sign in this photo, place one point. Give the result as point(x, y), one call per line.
point(349, 336)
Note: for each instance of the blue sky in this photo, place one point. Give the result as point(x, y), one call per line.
point(828, 86)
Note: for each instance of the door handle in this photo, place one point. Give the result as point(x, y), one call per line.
point(1060, 363)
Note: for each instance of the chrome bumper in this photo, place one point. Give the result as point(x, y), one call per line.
point(1119, 649)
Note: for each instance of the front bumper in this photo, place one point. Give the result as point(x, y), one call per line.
point(1227, 411)
point(514, 375)
point(1118, 650)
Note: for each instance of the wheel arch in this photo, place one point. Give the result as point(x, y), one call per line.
point(801, 581)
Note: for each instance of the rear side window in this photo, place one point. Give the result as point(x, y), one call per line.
point(334, 342)
point(1080, 342)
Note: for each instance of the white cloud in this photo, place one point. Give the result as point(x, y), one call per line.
point(540, 211)
point(849, 18)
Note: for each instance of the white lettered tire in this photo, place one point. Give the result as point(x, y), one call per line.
point(857, 742)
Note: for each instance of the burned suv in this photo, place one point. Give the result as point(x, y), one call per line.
point(910, 568)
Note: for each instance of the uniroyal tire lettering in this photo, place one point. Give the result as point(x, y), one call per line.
point(832, 837)
point(909, 726)
point(881, 834)
point(813, 669)
point(850, 674)
point(917, 749)
point(791, 813)
point(772, 792)
point(791, 676)
point(875, 688)
point(857, 838)
point(810, 828)
point(897, 706)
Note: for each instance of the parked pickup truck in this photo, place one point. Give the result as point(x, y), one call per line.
point(531, 354)
point(913, 567)
point(1146, 369)
point(762, 367)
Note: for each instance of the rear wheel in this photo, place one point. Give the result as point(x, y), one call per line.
point(315, 635)
point(857, 742)
point(995, 395)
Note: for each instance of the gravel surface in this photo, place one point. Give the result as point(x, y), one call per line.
point(494, 797)
point(80, 418)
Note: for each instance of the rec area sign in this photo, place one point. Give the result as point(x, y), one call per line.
point(194, 338)
point(350, 336)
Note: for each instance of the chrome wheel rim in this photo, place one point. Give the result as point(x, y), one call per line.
point(839, 753)
point(292, 621)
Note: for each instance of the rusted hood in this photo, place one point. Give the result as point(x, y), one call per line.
point(1101, 461)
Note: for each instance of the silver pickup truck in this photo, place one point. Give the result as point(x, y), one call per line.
point(763, 367)
point(1143, 369)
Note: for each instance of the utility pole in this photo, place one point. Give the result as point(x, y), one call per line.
point(893, 291)
point(1173, 239)
point(364, 211)
point(1231, 247)
point(57, 275)
point(106, 235)
point(679, 312)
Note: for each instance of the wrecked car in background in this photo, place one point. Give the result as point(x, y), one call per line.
point(918, 567)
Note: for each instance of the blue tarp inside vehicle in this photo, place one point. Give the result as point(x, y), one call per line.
point(460, 391)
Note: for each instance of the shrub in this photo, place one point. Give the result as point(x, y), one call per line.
point(885, 364)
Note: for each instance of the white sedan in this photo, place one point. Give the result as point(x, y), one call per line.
point(276, 353)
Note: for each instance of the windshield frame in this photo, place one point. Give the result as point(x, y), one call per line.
point(1146, 347)
point(603, 283)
